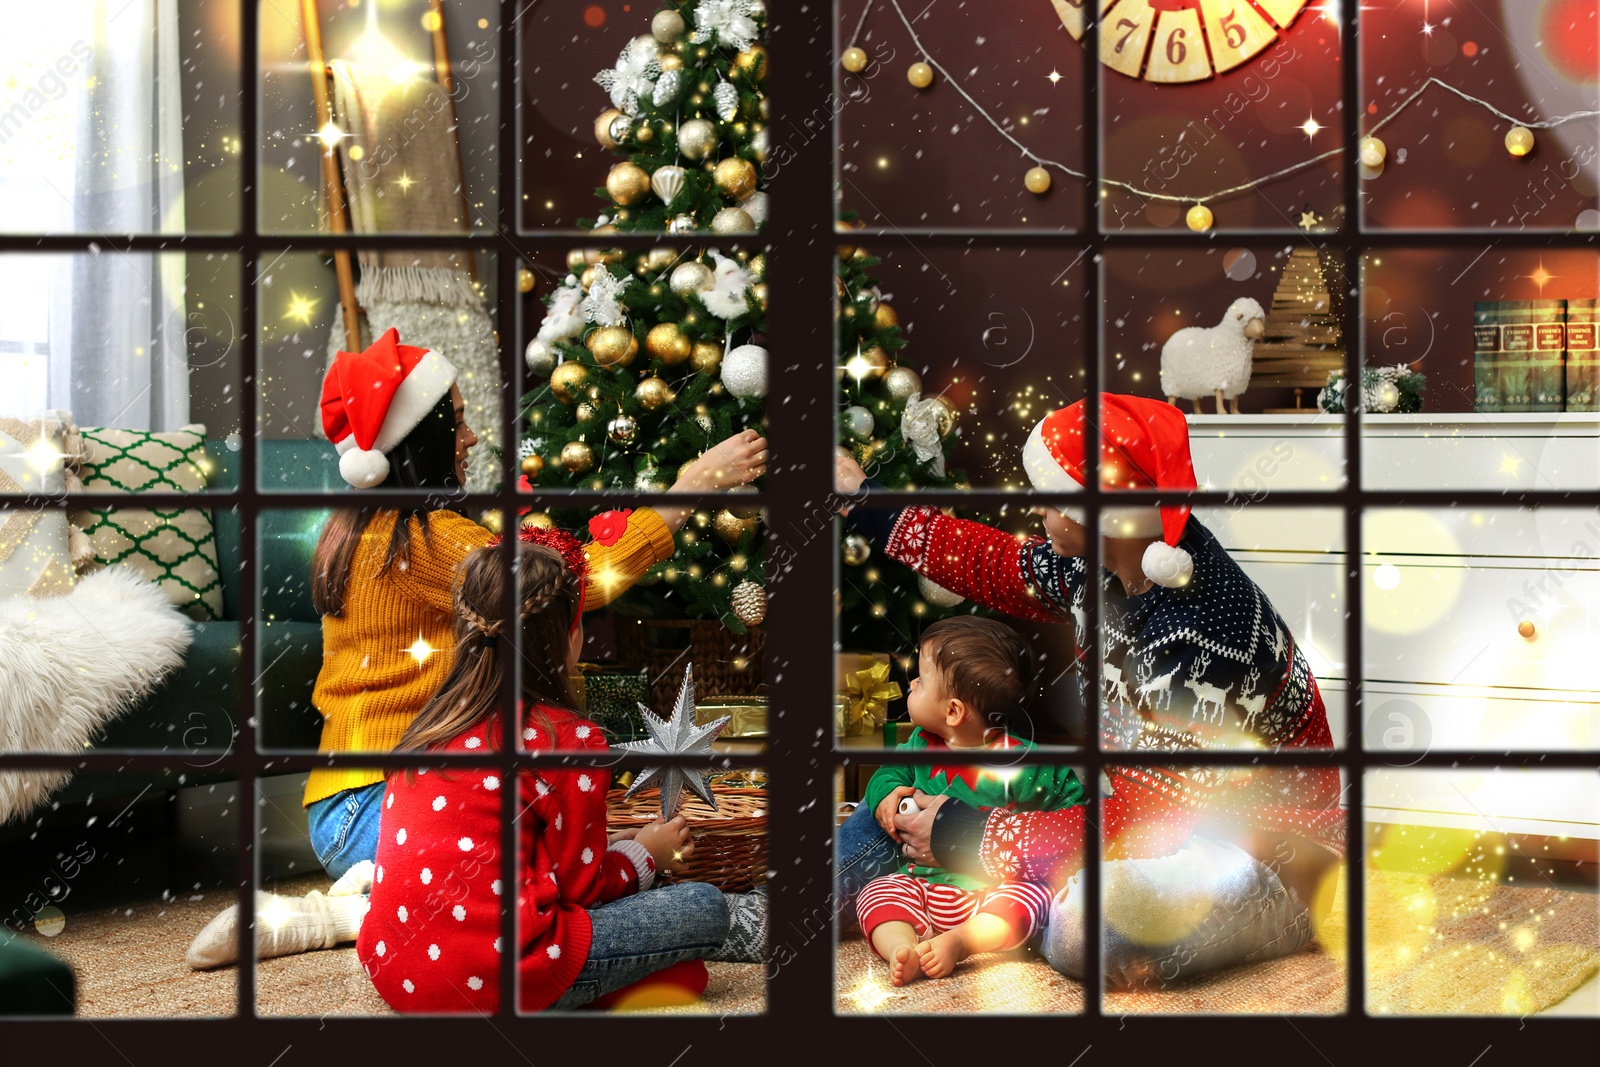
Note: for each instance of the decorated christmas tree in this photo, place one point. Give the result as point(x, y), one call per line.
point(901, 437)
point(689, 114)
point(652, 358)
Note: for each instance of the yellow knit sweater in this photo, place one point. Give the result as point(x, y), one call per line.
point(390, 648)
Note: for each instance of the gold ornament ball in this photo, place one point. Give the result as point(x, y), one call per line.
point(587, 412)
point(1519, 141)
point(667, 342)
point(577, 457)
point(538, 520)
point(902, 382)
point(628, 183)
point(920, 75)
point(1372, 152)
point(577, 259)
point(533, 466)
point(857, 549)
point(736, 177)
point(697, 139)
point(490, 520)
point(602, 128)
point(524, 280)
point(885, 317)
point(567, 381)
point(854, 60)
point(706, 357)
point(608, 228)
point(731, 528)
point(622, 430)
point(1037, 180)
point(874, 364)
point(645, 134)
point(611, 345)
point(732, 220)
point(659, 259)
point(586, 279)
point(691, 277)
point(948, 413)
point(758, 264)
point(1199, 218)
point(752, 62)
point(653, 393)
point(666, 26)
point(760, 289)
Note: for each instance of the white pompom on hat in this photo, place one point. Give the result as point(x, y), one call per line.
point(371, 400)
point(1144, 444)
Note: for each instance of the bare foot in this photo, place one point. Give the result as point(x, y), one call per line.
point(940, 953)
point(904, 966)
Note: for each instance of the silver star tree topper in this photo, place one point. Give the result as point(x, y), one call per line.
point(677, 736)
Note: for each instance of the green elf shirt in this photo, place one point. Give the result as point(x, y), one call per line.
point(1028, 788)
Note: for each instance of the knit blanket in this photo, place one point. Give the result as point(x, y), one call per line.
point(72, 664)
point(402, 174)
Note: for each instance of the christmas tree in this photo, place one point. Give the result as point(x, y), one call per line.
point(901, 438)
point(688, 112)
point(653, 357)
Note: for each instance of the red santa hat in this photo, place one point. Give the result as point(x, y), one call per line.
point(372, 399)
point(1144, 444)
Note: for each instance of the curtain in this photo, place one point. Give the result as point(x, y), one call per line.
point(118, 321)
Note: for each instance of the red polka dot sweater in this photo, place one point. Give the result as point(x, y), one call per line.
point(431, 940)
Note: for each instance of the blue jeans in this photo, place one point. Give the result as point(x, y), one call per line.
point(1207, 906)
point(344, 828)
point(638, 935)
point(861, 852)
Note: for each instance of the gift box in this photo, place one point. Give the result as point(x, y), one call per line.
point(611, 697)
point(747, 715)
point(865, 690)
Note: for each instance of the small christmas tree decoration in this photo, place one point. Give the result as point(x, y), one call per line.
point(577, 457)
point(736, 177)
point(1519, 141)
point(1372, 152)
point(854, 60)
point(744, 371)
point(628, 183)
point(667, 342)
point(732, 528)
point(567, 380)
point(920, 75)
point(858, 421)
point(524, 280)
point(622, 430)
point(607, 131)
point(612, 345)
point(533, 466)
point(902, 383)
point(666, 26)
point(541, 358)
point(857, 549)
point(1199, 218)
point(1037, 180)
point(705, 358)
point(653, 393)
point(692, 277)
point(733, 220)
point(885, 317)
point(667, 183)
point(676, 736)
point(750, 603)
point(697, 139)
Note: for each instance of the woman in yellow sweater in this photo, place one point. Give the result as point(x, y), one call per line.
point(382, 579)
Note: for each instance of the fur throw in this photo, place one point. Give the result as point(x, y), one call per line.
point(71, 664)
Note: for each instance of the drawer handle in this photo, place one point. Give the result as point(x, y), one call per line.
point(1526, 629)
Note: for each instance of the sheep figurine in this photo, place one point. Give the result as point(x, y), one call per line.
point(1199, 361)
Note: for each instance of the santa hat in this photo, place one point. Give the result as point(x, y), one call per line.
point(372, 399)
point(1144, 444)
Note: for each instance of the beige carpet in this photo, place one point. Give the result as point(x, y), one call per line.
point(129, 963)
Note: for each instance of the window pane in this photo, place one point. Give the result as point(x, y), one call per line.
point(1478, 895)
point(1478, 625)
point(1197, 99)
point(415, 139)
point(961, 152)
point(121, 118)
point(921, 939)
point(675, 137)
point(438, 301)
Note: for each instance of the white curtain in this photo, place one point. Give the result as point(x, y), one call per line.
point(102, 155)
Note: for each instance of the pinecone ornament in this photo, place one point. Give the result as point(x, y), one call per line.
point(750, 603)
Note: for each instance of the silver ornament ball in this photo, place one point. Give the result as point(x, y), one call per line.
point(744, 371)
point(902, 383)
point(858, 421)
point(541, 358)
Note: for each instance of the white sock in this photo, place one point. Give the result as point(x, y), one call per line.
point(357, 880)
point(284, 926)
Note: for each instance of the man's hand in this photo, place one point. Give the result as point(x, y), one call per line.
point(889, 808)
point(847, 473)
point(916, 829)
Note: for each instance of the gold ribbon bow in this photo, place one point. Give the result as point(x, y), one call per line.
point(868, 692)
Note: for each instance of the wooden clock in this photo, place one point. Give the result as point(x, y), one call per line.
point(1175, 41)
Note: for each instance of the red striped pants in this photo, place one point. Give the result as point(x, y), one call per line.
point(933, 907)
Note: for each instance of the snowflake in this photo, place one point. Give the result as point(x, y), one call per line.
point(731, 21)
point(634, 75)
point(601, 307)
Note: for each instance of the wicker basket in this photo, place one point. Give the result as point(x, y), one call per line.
point(730, 844)
point(726, 664)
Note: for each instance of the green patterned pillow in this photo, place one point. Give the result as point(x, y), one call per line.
point(176, 548)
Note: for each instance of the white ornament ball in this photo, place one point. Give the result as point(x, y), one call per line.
point(744, 371)
point(858, 421)
point(541, 358)
point(936, 594)
point(755, 205)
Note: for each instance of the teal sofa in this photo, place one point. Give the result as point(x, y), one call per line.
point(194, 714)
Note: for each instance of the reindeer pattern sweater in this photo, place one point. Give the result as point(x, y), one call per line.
point(1207, 666)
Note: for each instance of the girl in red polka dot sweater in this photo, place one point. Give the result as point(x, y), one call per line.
point(585, 925)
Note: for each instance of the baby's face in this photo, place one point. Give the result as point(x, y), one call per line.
point(928, 700)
